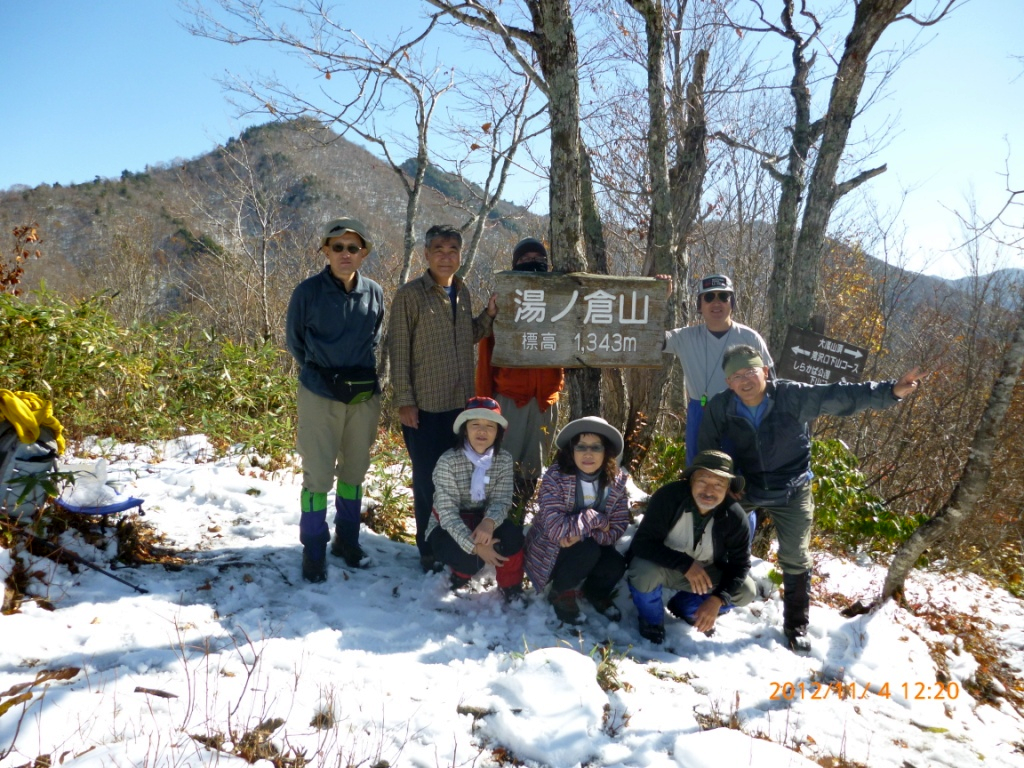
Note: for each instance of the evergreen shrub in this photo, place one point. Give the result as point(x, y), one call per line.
point(147, 382)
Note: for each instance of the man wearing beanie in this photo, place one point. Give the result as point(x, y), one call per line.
point(765, 426)
point(528, 396)
point(333, 328)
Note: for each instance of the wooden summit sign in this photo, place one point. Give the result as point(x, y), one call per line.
point(578, 320)
point(815, 359)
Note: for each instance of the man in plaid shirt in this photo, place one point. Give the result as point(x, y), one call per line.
point(432, 335)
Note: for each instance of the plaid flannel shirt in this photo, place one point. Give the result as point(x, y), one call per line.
point(452, 477)
point(432, 354)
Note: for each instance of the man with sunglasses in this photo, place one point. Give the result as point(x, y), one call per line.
point(700, 349)
point(333, 329)
point(765, 426)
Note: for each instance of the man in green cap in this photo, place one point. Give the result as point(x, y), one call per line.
point(333, 328)
point(766, 426)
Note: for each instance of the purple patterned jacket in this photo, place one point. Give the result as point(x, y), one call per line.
point(557, 519)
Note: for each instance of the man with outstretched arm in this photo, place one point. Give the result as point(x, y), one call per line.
point(766, 428)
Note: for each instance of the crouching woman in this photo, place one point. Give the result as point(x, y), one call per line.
point(694, 538)
point(469, 526)
point(583, 509)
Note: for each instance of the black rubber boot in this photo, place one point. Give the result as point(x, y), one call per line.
point(796, 604)
point(346, 545)
point(653, 632)
point(314, 563)
point(567, 609)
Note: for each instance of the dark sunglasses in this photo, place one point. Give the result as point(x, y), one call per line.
point(722, 296)
point(350, 247)
point(588, 448)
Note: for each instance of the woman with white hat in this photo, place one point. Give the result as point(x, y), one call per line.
point(469, 526)
point(583, 511)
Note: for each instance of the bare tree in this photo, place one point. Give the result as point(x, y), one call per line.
point(507, 119)
point(676, 189)
point(551, 59)
point(236, 205)
point(380, 80)
point(975, 477)
point(373, 87)
point(809, 190)
point(134, 269)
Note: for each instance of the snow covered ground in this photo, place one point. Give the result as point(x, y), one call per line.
point(234, 653)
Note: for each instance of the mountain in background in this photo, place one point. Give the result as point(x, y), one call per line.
point(276, 183)
point(266, 194)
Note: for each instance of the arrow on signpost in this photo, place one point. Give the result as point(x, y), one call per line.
point(852, 352)
point(798, 351)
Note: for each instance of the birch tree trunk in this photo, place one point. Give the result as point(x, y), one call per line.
point(557, 51)
point(800, 234)
point(675, 194)
point(973, 480)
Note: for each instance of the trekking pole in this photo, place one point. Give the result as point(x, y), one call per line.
point(52, 549)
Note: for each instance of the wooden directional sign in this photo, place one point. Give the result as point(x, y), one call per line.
point(815, 359)
point(576, 320)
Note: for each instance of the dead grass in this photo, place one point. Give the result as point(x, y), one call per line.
point(994, 681)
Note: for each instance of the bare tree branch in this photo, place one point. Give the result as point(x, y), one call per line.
point(849, 185)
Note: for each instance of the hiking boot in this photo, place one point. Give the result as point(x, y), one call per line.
point(566, 608)
point(314, 571)
point(606, 607)
point(653, 632)
point(353, 555)
point(430, 565)
point(797, 641)
point(513, 594)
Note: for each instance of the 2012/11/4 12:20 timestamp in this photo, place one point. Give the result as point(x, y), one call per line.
point(912, 691)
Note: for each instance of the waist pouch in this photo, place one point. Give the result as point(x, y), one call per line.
point(349, 385)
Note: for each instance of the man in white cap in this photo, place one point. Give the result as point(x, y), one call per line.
point(333, 329)
point(700, 349)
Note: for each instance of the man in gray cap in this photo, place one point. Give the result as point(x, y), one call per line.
point(333, 328)
point(700, 349)
point(528, 396)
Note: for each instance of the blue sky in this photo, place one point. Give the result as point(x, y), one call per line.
point(94, 88)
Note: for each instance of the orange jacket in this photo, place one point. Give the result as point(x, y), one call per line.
point(519, 384)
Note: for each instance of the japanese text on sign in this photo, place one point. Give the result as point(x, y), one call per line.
point(552, 320)
point(815, 359)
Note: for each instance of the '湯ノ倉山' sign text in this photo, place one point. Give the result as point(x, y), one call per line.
point(578, 320)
